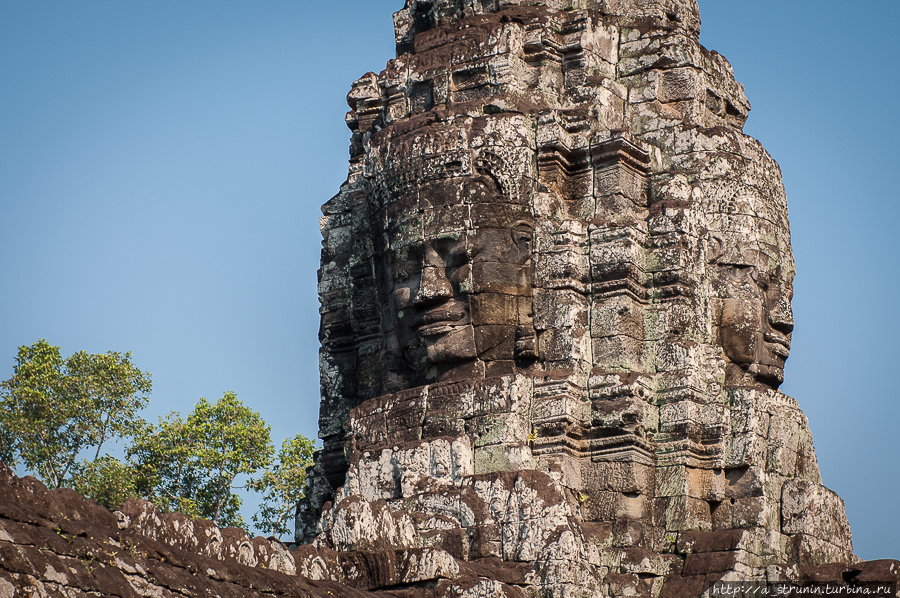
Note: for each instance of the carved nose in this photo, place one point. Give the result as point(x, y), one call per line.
point(780, 315)
point(433, 286)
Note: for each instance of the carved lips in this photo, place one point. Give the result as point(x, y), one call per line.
point(778, 344)
point(442, 319)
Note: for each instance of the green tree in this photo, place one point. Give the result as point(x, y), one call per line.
point(54, 409)
point(190, 465)
point(7, 440)
point(282, 486)
point(106, 480)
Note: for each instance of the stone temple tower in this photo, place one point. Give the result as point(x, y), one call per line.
point(556, 307)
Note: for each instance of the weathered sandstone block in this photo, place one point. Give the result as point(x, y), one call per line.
point(556, 310)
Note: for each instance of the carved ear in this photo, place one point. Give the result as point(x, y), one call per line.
point(523, 236)
point(526, 343)
point(715, 249)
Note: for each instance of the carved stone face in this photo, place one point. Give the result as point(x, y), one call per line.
point(754, 285)
point(461, 292)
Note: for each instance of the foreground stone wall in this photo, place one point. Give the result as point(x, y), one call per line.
point(54, 544)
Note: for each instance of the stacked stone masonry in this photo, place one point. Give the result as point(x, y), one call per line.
point(54, 544)
point(556, 307)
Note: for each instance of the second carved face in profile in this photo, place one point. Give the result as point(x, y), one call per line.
point(753, 283)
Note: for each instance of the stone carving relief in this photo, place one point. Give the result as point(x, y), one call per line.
point(457, 262)
point(556, 307)
point(752, 273)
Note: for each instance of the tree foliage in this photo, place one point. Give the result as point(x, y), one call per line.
point(282, 486)
point(190, 465)
point(53, 409)
point(106, 480)
point(57, 414)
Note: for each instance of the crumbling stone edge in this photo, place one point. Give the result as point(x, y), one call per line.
point(55, 543)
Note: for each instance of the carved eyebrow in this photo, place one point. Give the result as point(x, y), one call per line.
point(752, 258)
point(446, 236)
point(449, 246)
point(734, 263)
point(444, 243)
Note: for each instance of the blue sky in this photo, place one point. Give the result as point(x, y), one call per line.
point(162, 166)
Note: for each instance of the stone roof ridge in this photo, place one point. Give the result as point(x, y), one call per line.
point(56, 543)
point(204, 537)
point(141, 517)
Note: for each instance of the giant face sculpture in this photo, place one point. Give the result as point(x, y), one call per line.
point(460, 285)
point(753, 274)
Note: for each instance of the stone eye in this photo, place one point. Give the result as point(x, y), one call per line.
point(451, 251)
point(456, 258)
point(739, 271)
